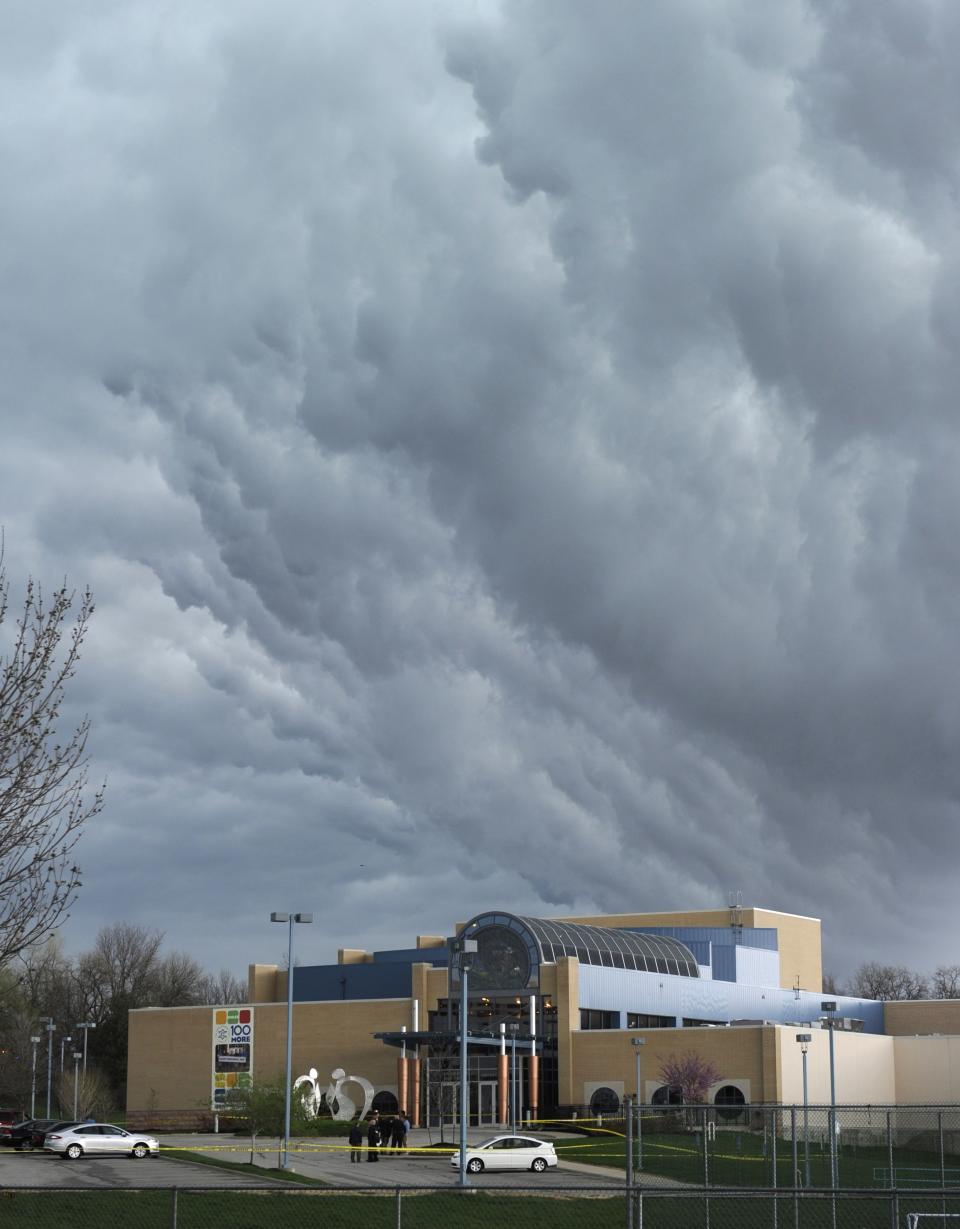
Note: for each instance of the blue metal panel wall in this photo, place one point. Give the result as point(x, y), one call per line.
point(748, 936)
point(724, 962)
point(413, 955)
point(624, 990)
point(756, 967)
point(323, 982)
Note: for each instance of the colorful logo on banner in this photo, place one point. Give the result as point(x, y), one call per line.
point(232, 1051)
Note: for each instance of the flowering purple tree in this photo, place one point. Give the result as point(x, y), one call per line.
point(691, 1073)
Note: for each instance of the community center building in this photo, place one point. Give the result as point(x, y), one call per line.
point(564, 1016)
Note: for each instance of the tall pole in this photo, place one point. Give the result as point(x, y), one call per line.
point(513, 1078)
point(638, 1043)
point(50, 1026)
point(461, 953)
point(804, 1039)
point(34, 1041)
point(289, 918)
point(831, 1007)
point(86, 1026)
point(76, 1081)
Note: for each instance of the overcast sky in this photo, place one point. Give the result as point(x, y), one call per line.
point(514, 450)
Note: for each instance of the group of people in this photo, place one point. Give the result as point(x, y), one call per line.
point(385, 1133)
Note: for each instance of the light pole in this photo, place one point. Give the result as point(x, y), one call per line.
point(831, 1006)
point(86, 1026)
point(76, 1081)
point(47, 1022)
point(63, 1043)
point(462, 951)
point(514, 1029)
point(638, 1043)
point(34, 1041)
point(289, 918)
point(805, 1039)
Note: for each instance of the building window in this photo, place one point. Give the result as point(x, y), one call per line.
point(730, 1100)
point(668, 1094)
point(692, 1022)
point(591, 1018)
point(637, 1019)
point(604, 1101)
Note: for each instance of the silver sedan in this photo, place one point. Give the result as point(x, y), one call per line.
point(99, 1139)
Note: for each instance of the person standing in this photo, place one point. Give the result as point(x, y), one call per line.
point(356, 1143)
point(398, 1132)
point(373, 1138)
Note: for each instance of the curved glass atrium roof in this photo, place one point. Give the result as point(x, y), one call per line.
point(511, 949)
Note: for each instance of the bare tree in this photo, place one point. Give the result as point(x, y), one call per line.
point(946, 982)
point(888, 982)
point(222, 988)
point(44, 802)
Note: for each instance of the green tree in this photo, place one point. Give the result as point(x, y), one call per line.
point(263, 1107)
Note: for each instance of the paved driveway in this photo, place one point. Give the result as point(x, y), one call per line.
point(329, 1160)
point(42, 1169)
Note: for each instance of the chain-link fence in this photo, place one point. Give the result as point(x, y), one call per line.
point(814, 1146)
point(443, 1208)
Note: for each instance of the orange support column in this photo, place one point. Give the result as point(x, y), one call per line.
point(414, 1090)
point(533, 1084)
point(503, 1086)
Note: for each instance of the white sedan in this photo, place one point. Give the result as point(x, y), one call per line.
point(508, 1152)
point(99, 1139)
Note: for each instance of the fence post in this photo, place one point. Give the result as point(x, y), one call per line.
point(399, 1209)
point(795, 1161)
point(894, 1219)
point(174, 1192)
point(943, 1170)
point(706, 1150)
point(628, 1144)
point(773, 1157)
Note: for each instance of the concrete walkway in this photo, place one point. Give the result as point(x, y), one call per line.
point(421, 1165)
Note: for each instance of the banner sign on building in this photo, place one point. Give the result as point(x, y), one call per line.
point(232, 1052)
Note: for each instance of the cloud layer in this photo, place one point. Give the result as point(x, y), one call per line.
point(514, 454)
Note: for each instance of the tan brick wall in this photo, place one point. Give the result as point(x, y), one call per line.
point(602, 1056)
point(922, 1017)
point(171, 1049)
point(262, 983)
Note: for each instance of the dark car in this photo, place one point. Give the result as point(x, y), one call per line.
point(25, 1135)
point(43, 1128)
point(7, 1120)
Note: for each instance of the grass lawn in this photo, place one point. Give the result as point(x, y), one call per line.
point(745, 1159)
point(293, 1209)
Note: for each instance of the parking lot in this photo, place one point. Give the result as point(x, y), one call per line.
point(42, 1169)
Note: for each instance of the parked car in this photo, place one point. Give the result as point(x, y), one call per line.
point(98, 1139)
point(8, 1119)
point(21, 1134)
point(509, 1152)
point(43, 1126)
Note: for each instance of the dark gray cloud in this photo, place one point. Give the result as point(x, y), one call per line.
point(514, 455)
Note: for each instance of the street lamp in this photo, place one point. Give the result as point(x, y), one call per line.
point(805, 1039)
point(638, 1043)
point(86, 1026)
point(47, 1022)
point(830, 1006)
point(514, 1029)
point(463, 951)
point(289, 918)
point(63, 1043)
point(34, 1041)
point(76, 1081)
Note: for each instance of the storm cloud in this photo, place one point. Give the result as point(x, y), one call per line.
point(514, 451)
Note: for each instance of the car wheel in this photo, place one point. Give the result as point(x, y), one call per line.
point(539, 1165)
point(74, 1151)
point(475, 1165)
point(140, 1151)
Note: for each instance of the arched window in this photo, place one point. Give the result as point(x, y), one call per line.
point(668, 1094)
point(729, 1100)
point(385, 1102)
point(604, 1101)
